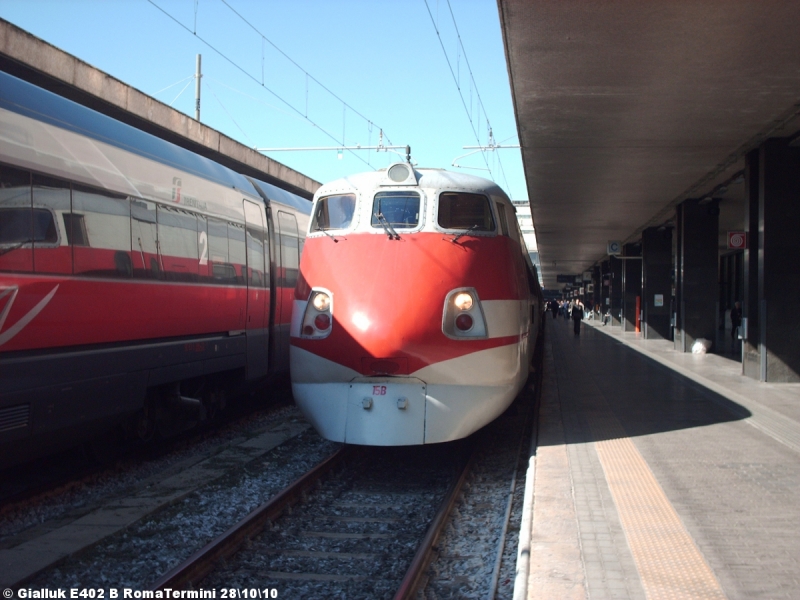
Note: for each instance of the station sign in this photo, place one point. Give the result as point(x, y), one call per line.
point(614, 247)
point(565, 278)
point(737, 240)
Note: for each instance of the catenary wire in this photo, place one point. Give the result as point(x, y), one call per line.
point(271, 91)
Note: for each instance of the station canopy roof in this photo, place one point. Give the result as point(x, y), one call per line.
point(626, 108)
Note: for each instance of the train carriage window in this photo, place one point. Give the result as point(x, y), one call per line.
point(501, 215)
point(177, 243)
point(51, 200)
point(237, 251)
point(334, 212)
point(144, 240)
point(290, 251)
point(221, 270)
point(400, 209)
point(256, 239)
point(16, 220)
point(462, 210)
point(107, 221)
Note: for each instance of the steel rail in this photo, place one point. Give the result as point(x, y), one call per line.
point(426, 549)
point(202, 562)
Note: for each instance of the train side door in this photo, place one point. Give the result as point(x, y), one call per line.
point(286, 279)
point(257, 321)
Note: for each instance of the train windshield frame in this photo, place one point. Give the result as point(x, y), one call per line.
point(333, 212)
point(460, 211)
point(400, 209)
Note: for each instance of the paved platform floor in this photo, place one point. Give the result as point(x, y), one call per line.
point(660, 475)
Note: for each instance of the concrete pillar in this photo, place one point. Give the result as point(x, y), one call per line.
point(778, 247)
point(605, 287)
point(656, 281)
point(615, 291)
point(631, 285)
point(751, 357)
point(696, 282)
point(597, 286)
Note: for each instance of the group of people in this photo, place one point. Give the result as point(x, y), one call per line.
point(572, 309)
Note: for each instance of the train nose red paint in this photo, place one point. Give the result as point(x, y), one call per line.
point(388, 320)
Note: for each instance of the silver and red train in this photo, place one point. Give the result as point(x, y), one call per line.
point(417, 308)
point(139, 282)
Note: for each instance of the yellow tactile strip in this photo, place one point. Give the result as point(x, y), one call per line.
point(670, 564)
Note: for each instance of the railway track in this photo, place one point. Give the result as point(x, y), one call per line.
point(364, 523)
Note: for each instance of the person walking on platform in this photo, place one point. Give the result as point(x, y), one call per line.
point(553, 306)
point(577, 315)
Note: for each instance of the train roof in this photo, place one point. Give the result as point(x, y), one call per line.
point(276, 194)
point(34, 102)
point(426, 178)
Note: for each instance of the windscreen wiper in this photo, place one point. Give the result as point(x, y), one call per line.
point(387, 226)
point(15, 246)
point(465, 232)
point(325, 231)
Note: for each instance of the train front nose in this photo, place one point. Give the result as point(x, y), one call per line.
point(391, 330)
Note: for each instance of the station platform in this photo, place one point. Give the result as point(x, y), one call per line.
point(658, 474)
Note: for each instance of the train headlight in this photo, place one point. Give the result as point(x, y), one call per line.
point(321, 301)
point(318, 316)
point(463, 301)
point(463, 315)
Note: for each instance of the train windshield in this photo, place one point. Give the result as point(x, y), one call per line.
point(334, 212)
point(460, 210)
point(398, 209)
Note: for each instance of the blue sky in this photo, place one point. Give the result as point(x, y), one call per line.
point(383, 58)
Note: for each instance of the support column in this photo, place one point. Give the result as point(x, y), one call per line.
point(778, 251)
point(697, 293)
point(615, 291)
point(751, 356)
point(605, 288)
point(631, 286)
point(656, 281)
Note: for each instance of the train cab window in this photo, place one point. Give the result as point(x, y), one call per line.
point(144, 240)
point(399, 209)
point(51, 198)
point(461, 210)
point(75, 228)
point(177, 243)
point(334, 212)
point(107, 221)
point(501, 216)
point(16, 220)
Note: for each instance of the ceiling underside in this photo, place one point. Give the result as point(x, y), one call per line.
point(626, 108)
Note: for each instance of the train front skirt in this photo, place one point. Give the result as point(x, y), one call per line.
point(403, 410)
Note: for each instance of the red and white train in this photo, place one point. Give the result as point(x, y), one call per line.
point(139, 282)
point(416, 310)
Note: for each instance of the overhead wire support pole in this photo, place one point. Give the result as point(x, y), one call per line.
point(197, 77)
